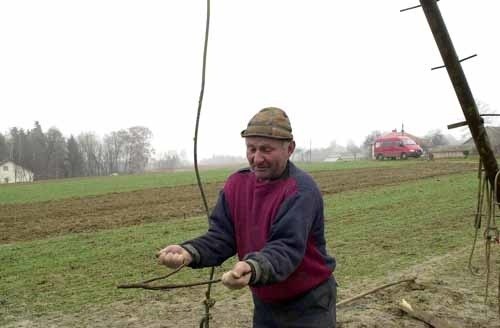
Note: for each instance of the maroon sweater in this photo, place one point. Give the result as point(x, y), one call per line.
point(277, 225)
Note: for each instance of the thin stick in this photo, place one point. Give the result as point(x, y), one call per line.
point(169, 286)
point(146, 285)
point(205, 321)
point(371, 291)
point(165, 276)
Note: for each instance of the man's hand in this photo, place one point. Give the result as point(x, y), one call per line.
point(238, 277)
point(174, 256)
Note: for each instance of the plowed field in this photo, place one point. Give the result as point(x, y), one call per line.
point(21, 222)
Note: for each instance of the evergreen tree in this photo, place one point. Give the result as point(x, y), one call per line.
point(39, 160)
point(18, 143)
point(74, 159)
point(4, 149)
point(56, 154)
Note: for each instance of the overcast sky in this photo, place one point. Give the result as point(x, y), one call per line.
point(340, 69)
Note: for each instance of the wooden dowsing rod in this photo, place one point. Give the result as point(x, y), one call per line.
point(208, 302)
point(462, 90)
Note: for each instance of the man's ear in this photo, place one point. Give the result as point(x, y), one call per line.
point(291, 147)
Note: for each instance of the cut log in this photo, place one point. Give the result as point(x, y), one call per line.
point(424, 316)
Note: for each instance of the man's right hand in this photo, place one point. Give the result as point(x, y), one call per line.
point(174, 256)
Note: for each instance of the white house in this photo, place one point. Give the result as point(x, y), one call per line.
point(10, 172)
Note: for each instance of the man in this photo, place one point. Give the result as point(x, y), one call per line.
point(271, 215)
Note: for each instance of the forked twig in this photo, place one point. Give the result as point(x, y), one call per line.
point(168, 286)
point(146, 284)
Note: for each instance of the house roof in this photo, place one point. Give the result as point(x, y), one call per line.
point(493, 133)
point(449, 149)
point(9, 161)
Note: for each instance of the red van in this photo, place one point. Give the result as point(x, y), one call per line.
point(395, 146)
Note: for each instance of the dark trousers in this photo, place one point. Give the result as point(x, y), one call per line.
point(314, 309)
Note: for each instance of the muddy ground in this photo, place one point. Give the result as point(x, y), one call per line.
point(444, 287)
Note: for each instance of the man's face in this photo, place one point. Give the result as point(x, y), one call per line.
point(268, 157)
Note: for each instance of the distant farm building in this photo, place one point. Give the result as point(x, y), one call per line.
point(494, 136)
point(10, 172)
point(468, 147)
point(459, 151)
point(341, 157)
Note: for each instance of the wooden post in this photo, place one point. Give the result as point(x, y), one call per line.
point(462, 90)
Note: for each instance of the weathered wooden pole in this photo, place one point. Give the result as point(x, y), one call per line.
point(462, 90)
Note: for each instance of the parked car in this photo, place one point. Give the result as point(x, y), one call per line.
point(396, 147)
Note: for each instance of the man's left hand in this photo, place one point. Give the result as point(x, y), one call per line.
point(238, 277)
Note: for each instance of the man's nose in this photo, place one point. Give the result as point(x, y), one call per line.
point(258, 158)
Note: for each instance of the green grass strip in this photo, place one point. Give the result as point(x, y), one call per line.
point(380, 230)
point(82, 187)
point(64, 274)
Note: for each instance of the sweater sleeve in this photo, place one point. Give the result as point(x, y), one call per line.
point(288, 238)
point(218, 243)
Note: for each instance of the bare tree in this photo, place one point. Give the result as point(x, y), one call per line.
point(299, 155)
point(436, 138)
point(169, 160)
point(114, 150)
point(89, 147)
point(353, 148)
point(366, 147)
point(483, 108)
point(139, 148)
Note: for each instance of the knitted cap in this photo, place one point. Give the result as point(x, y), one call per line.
point(270, 122)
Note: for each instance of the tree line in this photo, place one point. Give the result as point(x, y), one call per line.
point(49, 155)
